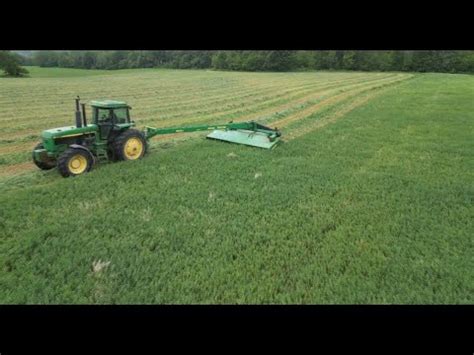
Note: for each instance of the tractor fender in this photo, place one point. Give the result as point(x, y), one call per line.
point(78, 146)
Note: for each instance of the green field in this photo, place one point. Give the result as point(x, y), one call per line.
point(369, 199)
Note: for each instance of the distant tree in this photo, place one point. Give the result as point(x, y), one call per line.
point(234, 60)
point(201, 59)
point(77, 59)
point(47, 59)
point(349, 60)
point(321, 60)
point(253, 61)
point(10, 64)
point(407, 60)
point(465, 61)
point(66, 60)
point(219, 60)
point(186, 59)
point(381, 60)
point(24, 58)
point(398, 60)
point(117, 60)
point(331, 59)
point(304, 60)
point(89, 60)
point(447, 61)
point(102, 61)
point(278, 61)
point(338, 59)
point(422, 61)
point(159, 58)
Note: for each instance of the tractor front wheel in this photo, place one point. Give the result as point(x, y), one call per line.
point(46, 164)
point(130, 145)
point(74, 162)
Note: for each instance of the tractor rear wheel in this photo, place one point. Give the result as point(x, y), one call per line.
point(46, 164)
point(74, 162)
point(129, 145)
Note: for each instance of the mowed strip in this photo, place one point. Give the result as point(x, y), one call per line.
point(164, 120)
point(156, 95)
point(54, 90)
point(26, 146)
point(151, 105)
point(161, 96)
point(136, 86)
point(256, 102)
point(14, 146)
point(32, 134)
point(249, 111)
point(17, 169)
point(41, 116)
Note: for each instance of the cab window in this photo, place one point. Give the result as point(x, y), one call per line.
point(107, 115)
point(102, 115)
point(121, 115)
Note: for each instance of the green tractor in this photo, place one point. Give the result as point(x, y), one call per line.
point(74, 150)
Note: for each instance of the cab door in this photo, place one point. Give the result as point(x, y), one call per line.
point(105, 121)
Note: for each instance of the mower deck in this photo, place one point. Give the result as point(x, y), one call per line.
point(245, 137)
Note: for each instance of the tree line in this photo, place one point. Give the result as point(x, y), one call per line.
point(414, 61)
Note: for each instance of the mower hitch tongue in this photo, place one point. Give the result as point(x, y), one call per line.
point(246, 133)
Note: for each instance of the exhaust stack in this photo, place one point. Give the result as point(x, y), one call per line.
point(78, 114)
point(84, 114)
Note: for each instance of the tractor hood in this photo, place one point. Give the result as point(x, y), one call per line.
point(68, 131)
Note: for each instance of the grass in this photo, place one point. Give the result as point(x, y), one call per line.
point(368, 200)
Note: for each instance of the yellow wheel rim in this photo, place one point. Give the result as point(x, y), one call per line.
point(133, 148)
point(77, 164)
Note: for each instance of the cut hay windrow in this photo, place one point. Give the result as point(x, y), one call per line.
point(38, 119)
point(160, 94)
point(153, 87)
point(164, 118)
point(18, 168)
point(155, 105)
point(186, 100)
point(25, 146)
point(254, 110)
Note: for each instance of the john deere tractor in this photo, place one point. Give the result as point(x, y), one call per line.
point(75, 149)
point(110, 137)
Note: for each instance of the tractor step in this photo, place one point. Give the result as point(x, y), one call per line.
point(101, 152)
point(245, 137)
point(102, 157)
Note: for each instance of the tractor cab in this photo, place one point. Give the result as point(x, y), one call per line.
point(110, 114)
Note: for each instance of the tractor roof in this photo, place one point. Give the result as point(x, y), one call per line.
point(108, 104)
